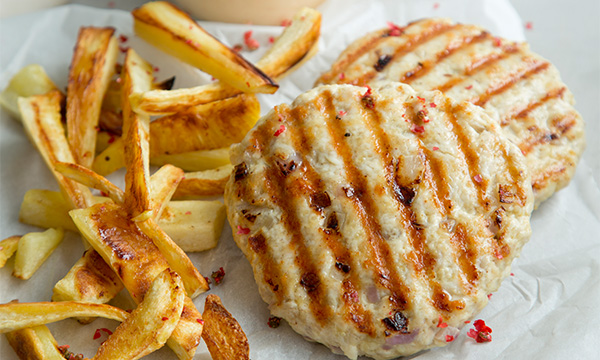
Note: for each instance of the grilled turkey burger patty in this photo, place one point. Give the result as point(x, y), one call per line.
point(370, 215)
point(520, 90)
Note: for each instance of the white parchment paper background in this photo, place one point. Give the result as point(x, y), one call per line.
point(548, 310)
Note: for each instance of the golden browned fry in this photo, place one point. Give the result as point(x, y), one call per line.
point(89, 280)
point(203, 183)
point(110, 159)
point(297, 44)
point(89, 178)
point(90, 72)
point(163, 183)
point(42, 122)
point(194, 282)
point(195, 160)
point(204, 127)
point(35, 343)
point(150, 324)
point(165, 26)
point(136, 260)
point(8, 247)
point(30, 80)
point(15, 315)
point(136, 76)
point(222, 334)
point(33, 249)
point(195, 225)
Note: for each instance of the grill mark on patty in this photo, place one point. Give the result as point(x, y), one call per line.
point(282, 194)
point(533, 68)
point(558, 127)
point(382, 258)
point(540, 181)
point(478, 65)
point(516, 176)
point(421, 258)
point(354, 311)
point(413, 40)
point(524, 112)
point(424, 67)
point(469, 155)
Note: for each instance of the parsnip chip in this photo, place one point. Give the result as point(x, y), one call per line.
point(136, 76)
point(15, 315)
point(90, 72)
point(204, 127)
point(42, 121)
point(111, 159)
point(8, 247)
point(34, 343)
point(195, 284)
point(89, 178)
point(203, 183)
point(33, 249)
point(164, 182)
point(165, 26)
point(195, 160)
point(297, 44)
point(222, 334)
point(195, 225)
point(89, 280)
point(150, 324)
point(30, 80)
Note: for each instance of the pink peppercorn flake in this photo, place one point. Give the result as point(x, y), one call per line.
point(436, 6)
point(469, 87)
point(342, 113)
point(156, 69)
point(489, 296)
point(237, 48)
point(468, 321)
point(435, 148)
point(497, 41)
point(123, 38)
point(271, 39)
point(342, 76)
point(286, 22)
point(242, 230)
point(441, 323)
point(478, 179)
point(481, 333)
point(188, 213)
point(200, 321)
point(280, 130)
point(512, 274)
point(394, 30)
point(449, 338)
point(417, 129)
point(111, 139)
point(250, 42)
point(164, 318)
point(218, 276)
point(529, 25)
point(432, 105)
point(123, 49)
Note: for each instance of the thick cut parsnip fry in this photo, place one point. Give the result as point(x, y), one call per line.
point(89, 280)
point(165, 26)
point(150, 324)
point(222, 334)
point(297, 44)
point(195, 160)
point(30, 80)
point(103, 141)
point(49, 209)
point(8, 247)
point(293, 45)
point(203, 183)
point(195, 225)
point(14, 316)
point(136, 76)
point(33, 249)
point(90, 72)
point(137, 261)
point(111, 159)
point(35, 343)
point(194, 283)
point(42, 121)
point(89, 178)
point(204, 127)
point(163, 183)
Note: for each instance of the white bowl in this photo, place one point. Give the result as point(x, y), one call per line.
point(259, 12)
